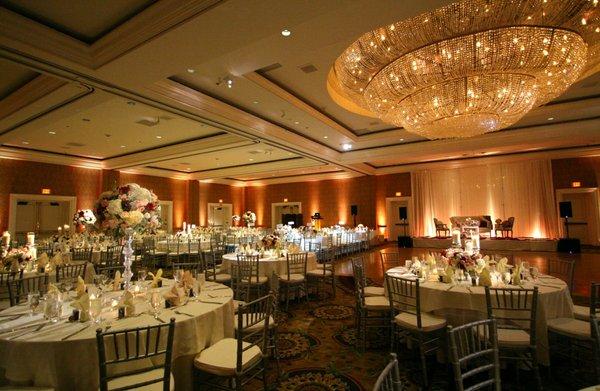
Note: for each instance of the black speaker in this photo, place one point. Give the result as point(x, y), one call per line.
point(569, 245)
point(403, 211)
point(354, 210)
point(565, 209)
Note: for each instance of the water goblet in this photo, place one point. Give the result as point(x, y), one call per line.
point(142, 274)
point(155, 302)
point(33, 300)
point(95, 309)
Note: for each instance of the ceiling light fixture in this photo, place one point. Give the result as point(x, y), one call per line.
point(550, 118)
point(346, 147)
point(191, 70)
point(159, 137)
point(286, 32)
point(468, 68)
point(26, 142)
point(52, 132)
point(325, 137)
point(122, 146)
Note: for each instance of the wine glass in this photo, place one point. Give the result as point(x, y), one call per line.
point(33, 300)
point(142, 274)
point(178, 276)
point(95, 309)
point(155, 302)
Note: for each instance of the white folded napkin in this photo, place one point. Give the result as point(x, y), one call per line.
point(80, 288)
point(128, 304)
point(449, 274)
point(83, 305)
point(156, 278)
point(485, 278)
point(176, 296)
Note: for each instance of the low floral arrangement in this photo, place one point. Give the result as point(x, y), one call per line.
point(249, 217)
point(128, 207)
point(84, 217)
point(235, 219)
point(16, 258)
point(460, 259)
point(269, 242)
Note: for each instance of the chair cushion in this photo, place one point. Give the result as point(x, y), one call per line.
point(374, 291)
point(377, 303)
point(293, 278)
point(429, 322)
point(140, 377)
point(219, 277)
point(513, 338)
point(261, 280)
point(220, 359)
point(254, 327)
point(581, 312)
point(319, 273)
point(571, 327)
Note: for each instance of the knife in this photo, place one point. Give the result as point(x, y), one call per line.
point(75, 333)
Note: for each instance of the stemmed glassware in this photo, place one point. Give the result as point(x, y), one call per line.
point(33, 300)
point(95, 309)
point(155, 302)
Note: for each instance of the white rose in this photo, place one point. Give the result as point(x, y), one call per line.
point(115, 207)
point(132, 218)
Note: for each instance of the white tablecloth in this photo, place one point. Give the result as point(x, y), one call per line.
point(554, 301)
point(266, 266)
point(42, 358)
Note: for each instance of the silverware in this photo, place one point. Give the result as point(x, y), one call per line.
point(22, 327)
point(75, 333)
point(160, 319)
point(183, 313)
point(29, 331)
point(451, 286)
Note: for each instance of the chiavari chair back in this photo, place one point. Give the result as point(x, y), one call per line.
point(474, 355)
point(70, 272)
point(389, 379)
point(81, 254)
point(19, 288)
point(562, 268)
point(390, 260)
point(5, 278)
point(121, 350)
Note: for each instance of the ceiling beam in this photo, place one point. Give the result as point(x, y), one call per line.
point(179, 150)
point(270, 167)
point(275, 89)
point(29, 93)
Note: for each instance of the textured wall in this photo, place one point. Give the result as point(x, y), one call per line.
point(213, 192)
point(331, 198)
point(585, 170)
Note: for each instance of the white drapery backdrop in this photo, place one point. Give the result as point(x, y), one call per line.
point(522, 190)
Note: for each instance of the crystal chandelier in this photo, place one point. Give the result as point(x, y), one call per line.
point(468, 68)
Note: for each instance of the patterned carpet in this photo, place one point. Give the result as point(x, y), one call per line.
point(316, 346)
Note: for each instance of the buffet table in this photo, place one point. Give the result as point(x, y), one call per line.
point(268, 265)
point(554, 301)
point(63, 355)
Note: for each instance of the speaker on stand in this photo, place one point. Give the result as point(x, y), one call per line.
point(405, 240)
point(567, 245)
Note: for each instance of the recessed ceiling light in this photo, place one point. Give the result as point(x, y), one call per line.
point(401, 139)
point(255, 102)
point(325, 136)
point(191, 70)
point(131, 103)
point(296, 122)
point(122, 146)
point(158, 136)
point(550, 118)
point(286, 32)
point(346, 147)
point(26, 142)
point(52, 132)
point(251, 159)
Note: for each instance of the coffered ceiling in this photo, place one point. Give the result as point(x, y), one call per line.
point(211, 90)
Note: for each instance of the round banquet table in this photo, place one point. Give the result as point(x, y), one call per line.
point(64, 355)
point(171, 246)
point(268, 265)
point(554, 301)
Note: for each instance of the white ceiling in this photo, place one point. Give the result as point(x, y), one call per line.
point(282, 112)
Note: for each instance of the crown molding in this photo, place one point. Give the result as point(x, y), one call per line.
point(150, 23)
point(304, 178)
point(37, 88)
point(48, 157)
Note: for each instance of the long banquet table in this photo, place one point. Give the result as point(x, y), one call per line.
point(45, 358)
point(554, 301)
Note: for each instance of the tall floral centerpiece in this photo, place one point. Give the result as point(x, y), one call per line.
point(83, 218)
point(249, 218)
point(121, 212)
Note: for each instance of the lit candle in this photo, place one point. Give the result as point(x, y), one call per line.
point(59, 230)
point(66, 227)
point(184, 226)
point(476, 241)
point(30, 238)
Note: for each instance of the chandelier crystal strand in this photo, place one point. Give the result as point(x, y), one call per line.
point(471, 67)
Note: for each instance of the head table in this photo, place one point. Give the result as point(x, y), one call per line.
point(63, 355)
point(465, 303)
